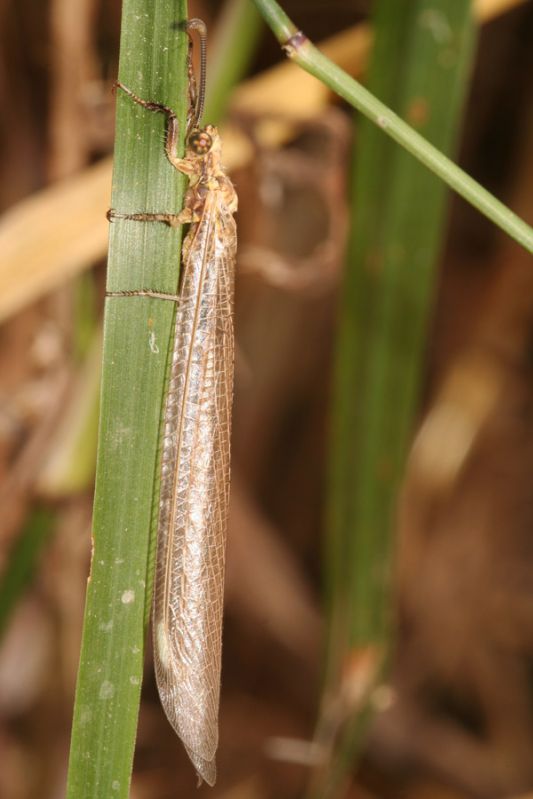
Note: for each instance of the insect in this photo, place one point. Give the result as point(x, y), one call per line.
point(195, 459)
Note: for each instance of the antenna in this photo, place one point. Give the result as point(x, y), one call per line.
point(200, 27)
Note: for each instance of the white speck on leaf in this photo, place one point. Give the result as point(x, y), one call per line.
point(152, 343)
point(106, 626)
point(86, 715)
point(128, 597)
point(437, 24)
point(107, 690)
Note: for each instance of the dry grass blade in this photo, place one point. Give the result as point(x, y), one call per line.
point(68, 230)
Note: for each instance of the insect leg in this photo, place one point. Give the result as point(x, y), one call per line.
point(158, 295)
point(185, 217)
point(171, 139)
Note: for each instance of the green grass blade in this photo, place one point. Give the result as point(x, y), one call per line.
point(302, 52)
point(230, 52)
point(399, 215)
point(137, 331)
point(420, 65)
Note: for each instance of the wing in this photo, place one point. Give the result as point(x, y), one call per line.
point(188, 590)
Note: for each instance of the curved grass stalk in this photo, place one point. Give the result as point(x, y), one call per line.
point(300, 50)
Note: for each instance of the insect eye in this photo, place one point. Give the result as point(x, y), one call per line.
point(200, 142)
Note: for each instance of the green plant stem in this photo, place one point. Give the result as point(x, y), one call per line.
point(276, 19)
point(137, 332)
point(306, 55)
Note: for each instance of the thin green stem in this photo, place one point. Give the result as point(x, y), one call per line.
point(306, 55)
point(276, 19)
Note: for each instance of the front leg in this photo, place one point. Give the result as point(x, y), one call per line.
point(171, 138)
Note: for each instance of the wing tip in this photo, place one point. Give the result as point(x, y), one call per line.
point(206, 770)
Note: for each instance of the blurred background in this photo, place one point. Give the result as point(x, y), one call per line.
point(340, 558)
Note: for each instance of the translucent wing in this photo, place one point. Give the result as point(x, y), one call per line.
point(188, 590)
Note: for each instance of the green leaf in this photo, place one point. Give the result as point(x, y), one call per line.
point(420, 66)
point(137, 332)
